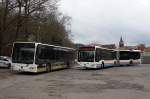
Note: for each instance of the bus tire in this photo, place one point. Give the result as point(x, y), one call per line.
point(115, 63)
point(102, 65)
point(131, 63)
point(9, 66)
point(68, 64)
point(48, 67)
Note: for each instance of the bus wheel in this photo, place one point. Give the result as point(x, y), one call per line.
point(48, 67)
point(102, 65)
point(9, 66)
point(68, 64)
point(115, 63)
point(130, 63)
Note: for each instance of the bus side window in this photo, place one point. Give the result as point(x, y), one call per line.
point(114, 56)
point(44, 54)
point(98, 55)
point(124, 55)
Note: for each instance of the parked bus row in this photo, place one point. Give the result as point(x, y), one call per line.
point(38, 57)
point(99, 57)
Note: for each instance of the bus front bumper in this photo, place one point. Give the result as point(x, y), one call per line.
point(20, 68)
point(86, 65)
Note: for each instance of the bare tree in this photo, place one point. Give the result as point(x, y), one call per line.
point(34, 20)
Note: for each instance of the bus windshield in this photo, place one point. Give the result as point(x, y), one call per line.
point(23, 53)
point(86, 56)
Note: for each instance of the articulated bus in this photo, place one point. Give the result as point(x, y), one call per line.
point(129, 57)
point(38, 57)
point(99, 57)
point(96, 57)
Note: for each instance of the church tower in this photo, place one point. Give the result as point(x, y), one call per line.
point(121, 42)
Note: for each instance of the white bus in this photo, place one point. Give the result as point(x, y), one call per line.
point(38, 57)
point(129, 57)
point(96, 57)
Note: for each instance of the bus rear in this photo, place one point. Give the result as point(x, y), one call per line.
point(86, 57)
point(23, 57)
point(136, 57)
point(129, 57)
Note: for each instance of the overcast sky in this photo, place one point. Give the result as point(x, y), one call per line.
point(106, 20)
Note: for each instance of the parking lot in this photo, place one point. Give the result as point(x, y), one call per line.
point(127, 82)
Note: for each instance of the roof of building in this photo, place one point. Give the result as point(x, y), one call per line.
point(147, 49)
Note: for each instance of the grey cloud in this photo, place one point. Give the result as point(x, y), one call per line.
point(106, 20)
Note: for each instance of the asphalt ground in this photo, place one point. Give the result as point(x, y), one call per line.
point(124, 82)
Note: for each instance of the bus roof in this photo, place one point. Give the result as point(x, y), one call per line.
point(112, 49)
point(129, 50)
point(103, 48)
point(47, 45)
point(97, 47)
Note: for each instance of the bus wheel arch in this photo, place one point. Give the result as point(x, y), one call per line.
point(131, 62)
point(102, 65)
point(68, 64)
point(48, 67)
point(115, 63)
point(9, 66)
